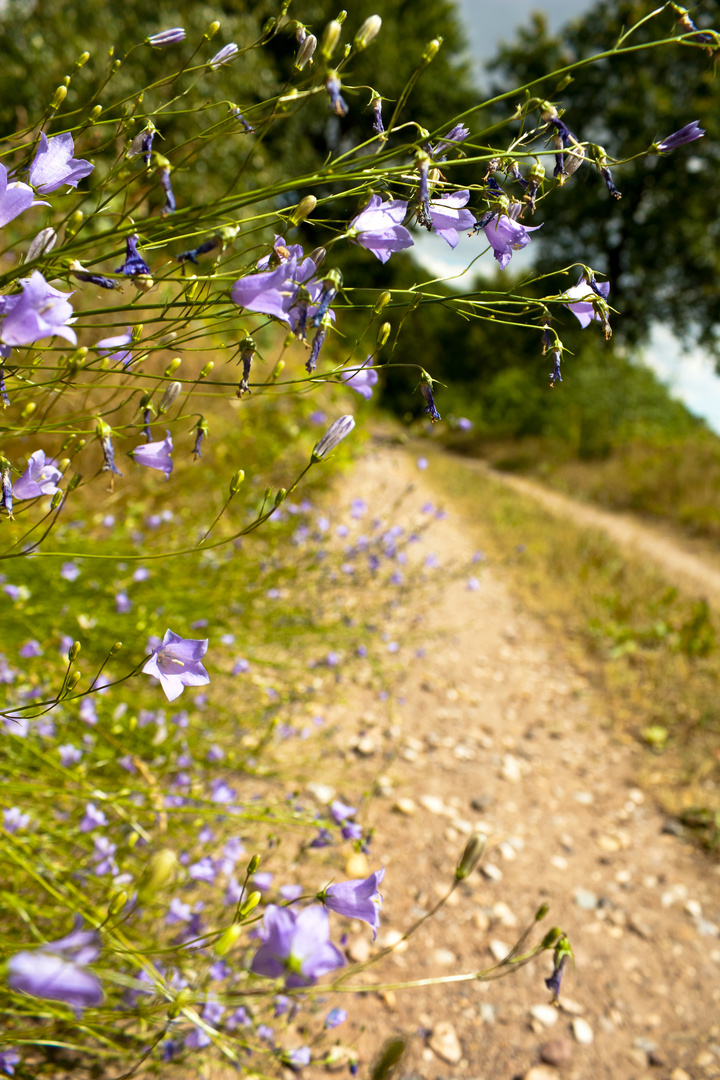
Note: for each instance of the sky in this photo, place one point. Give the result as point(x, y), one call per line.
point(691, 376)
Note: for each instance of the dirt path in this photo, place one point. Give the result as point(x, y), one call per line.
point(701, 574)
point(493, 729)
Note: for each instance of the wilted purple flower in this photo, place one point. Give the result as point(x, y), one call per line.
point(334, 1018)
point(30, 648)
point(165, 184)
point(156, 455)
point(426, 391)
point(318, 342)
point(447, 216)
point(176, 663)
point(378, 126)
point(296, 946)
point(378, 227)
point(57, 971)
point(337, 101)
point(93, 818)
point(40, 478)
point(14, 820)
point(678, 138)
point(54, 164)
point(333, 437)
point(363, 379)
point(167, 37)
point(134, 263)
point(15, 198)
point(356, 899)
point(582, 296)
point(39, 311)
point(506, 235)
point(225, 56)
point(141, 146)
point(554, 981)
point(453, 138)
point(69, 754)
point(8, 1060)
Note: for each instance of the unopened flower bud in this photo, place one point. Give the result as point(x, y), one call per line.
point(471, 856)
point(382, 301)
point(96, 112)
point(368, 32)
point(73, 223)
point(56, 500)
point(74, 481)
point(116, 648)
point(551, 937)
point(304, 209)
point(305, 52)
point(330, 38)
point(279, 368)
point(72, 682)
point(383, 334)
point(225, 942)
point(28, 410)
point(389, 1060)
point(269, 26)
point(158, 872)
point(206, 369)
point(541, 912)
point(253, 865)
point(118, 900)
point(236, 481)
point(58, 97)
point(74, 651)
point(251, 903)
point(184, 998)
point(172, 367)
point(82, 60)
point(318, 256)
point(332, 437)
point(432, 49)
point(281, 496)
point(172, 393)
point(212, 30)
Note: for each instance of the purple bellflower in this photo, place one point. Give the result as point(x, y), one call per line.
point(112, 347)
point(378, 126)
point(356, 899)
point(296, 945)
point(201, 249)
point(176, 663)
point(378, 227)
point(226, 55)
point(505, 235)
point(15, 198)
point(340, 811)
point(54, 164)
point(678, 138)
point(156, 455)
point(170, 204)
point(334, 1018)
point(57, 971)
point(363, 379)
point(167, 37)
point(39, 311)
point(40, 478)
point(337, 101)
point(453, 138)
point(134, 264)
point(333, 437)
point(582, 296)
point(8, 1060)
point(279, 289)
point(447, 216)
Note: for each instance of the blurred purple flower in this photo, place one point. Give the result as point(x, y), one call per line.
point(296, 946)
point(378, 227)
point(582, 296)
point(506, 235)
point(54, 164)
point(678, 138)
point(30, 648)
point(241, 667)
point(297, 1059)
point(108, 346)
point(39, 311)
point(340, 811)
point(291, 892)
point(93, 818)
point(334, 1018)
point(356, 899)
point(363, 379)
point(57, 971)
point(351, 831)
point(87, 711)
point(178, 912)
point(8, 1060)
point(123, 603)
point(15, 198)
point(69, 754)
point(463, 424)
point(447, 216)
point(156, 455)
point(70, 571)
point(39, 478)
point(176, 663)
point(14, 820)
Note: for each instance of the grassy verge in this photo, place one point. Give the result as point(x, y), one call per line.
point(649, 649)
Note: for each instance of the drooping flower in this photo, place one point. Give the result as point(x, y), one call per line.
point(583, 300)
point(337, 101)
point(678, 138)
point(333, 437)
point(447, 217)
point(356, 899)
point(453, 138)
point(170, 204)
point(296, 945)
point(506, 235)
point(82, 274)
point(108, 346)
point(167, 37)
point(156, 455)
point(15, 198)
point(363, 379)
point(225, 56)
point(58, 971)
point(134, 264)
point(378, 126)
point(267, 292)
point(54, 164)
point(427, 393)
point(38, 479)
point(176, 663)
point(378, 227)
point(201, 249)
point(39, 311)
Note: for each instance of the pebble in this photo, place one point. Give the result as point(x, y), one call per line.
point(583, 1032)
point(444, 957)
point(559, 862)
point(366, 746)
point(510, 770)
point(324, 793)
point(540, 1072)
point(585, 900)
point(547, 1015)
point(507, 851)
point(359, 950)
point(557, 1052)
point(491, 872)
point(445, 1043)
point(499, 949)
point(405, 806)
point(680, 1074)
point(487, 1012)
point(393, 939)
point(504, 915)
point(357, 865)
point(433, 803)
point(585, 798)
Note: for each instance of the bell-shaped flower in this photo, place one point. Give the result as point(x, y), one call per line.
point(363, 379)
point(269, 291)
point(39, 311)
point(226, 55)
point(505, 235)
point(379, 227)
point(678, 138)
point(448, 217)
point(58, 971)
point(176, 663)
point(113, 347)
point(14, 198)
point(54, 164)
point(40, 478)
point(356, 899)
point(296, 945)
point(156, 455)
point(582, 300)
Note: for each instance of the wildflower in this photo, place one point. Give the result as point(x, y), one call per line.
point(176, 663)
point(333, 437)
point(141, 146)
point(329, 290)
point(296, 946)
point(378, 227)
point(678, 138)
point(267, 292)
point(15, 198)
point(165, 184)
point(39, 311)
point(423, 195)
point(104, 432)
point(453, 138)
point(92, 818)
point(318, 342)
point(378, 126)
point(156, 455)
point(297, 1059)
point(14, 820)
point(426, 391)
point(29, 649)
point(304, 56)
point(356, 899)
point(38, 479)
point(337, 101)
point(113, 348)
point(134, 264)
point(583, 304)
point(123, 603)
point(334, 1018)
point(82, 274)
point(226, 55)
point(554, 981)
point(556, 355)
point(54, 164)
point(202, 249)
point(203, 870)
point(69, 754)
point(7, 505)
point(58, 971)
point(167, 37)
point(505, 235)
point(8, 1060)
point(341, 811)
point(447, 216)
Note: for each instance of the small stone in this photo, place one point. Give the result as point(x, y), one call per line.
point(510, 770)
point(507, 851)
point(559, 862)
point(583, 1032)
point(405, 806)
point(680, 1074)
point(481, 803)
point(445, 1043)
point(547, 1015)
point(504, 915)
point(705, 1059)
point(359, 950)
point(557, 1052)
point(366, 746)
point(498, 949)
point(408, 754)
point(444, 957)
point(486, 1012)
point(585, 798)
point(572, 1008)
point(491, 871)
point(610, 844)
point(389, 998)
point(585, 900)
point(392, 939)
point(433, 803)
point(481, 920)
point(324, 793)
point(540, 1072)
point(357, 866)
